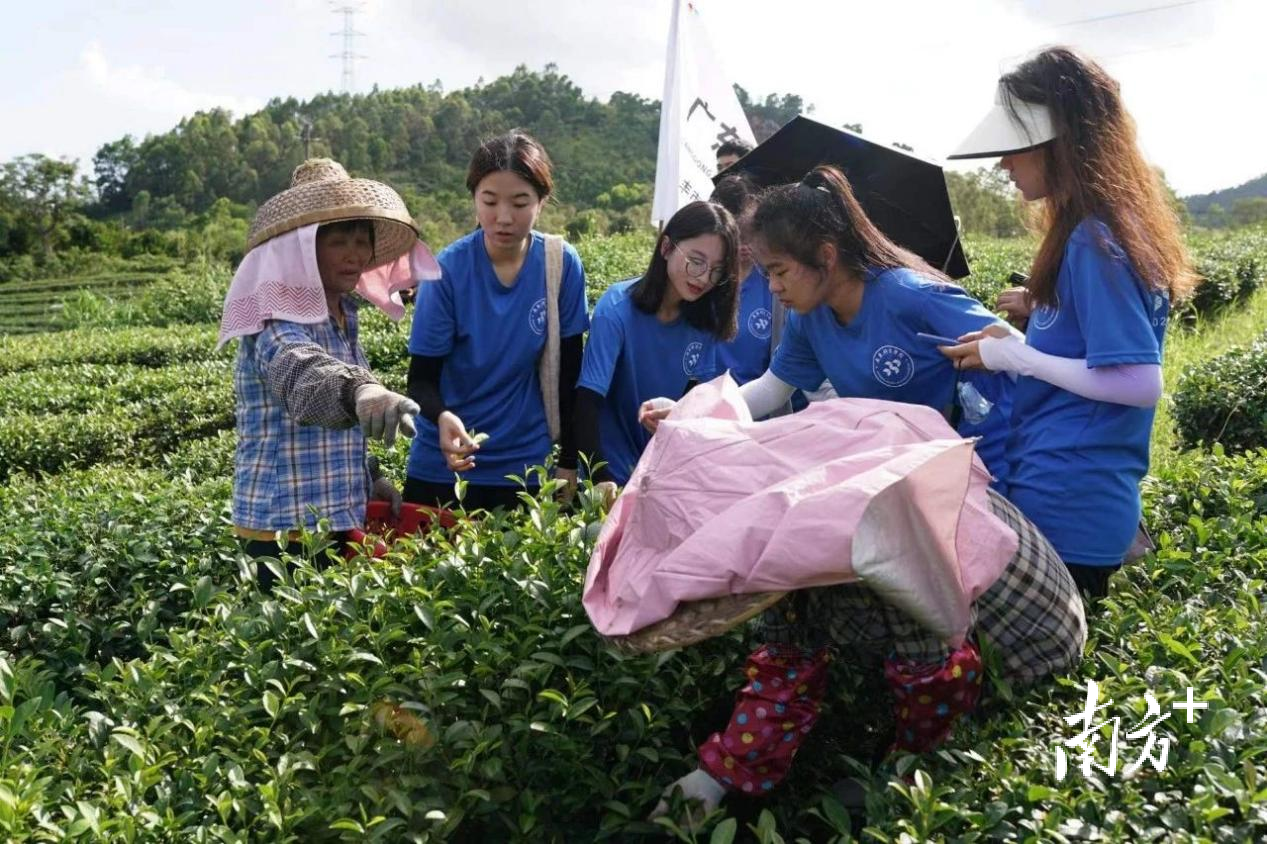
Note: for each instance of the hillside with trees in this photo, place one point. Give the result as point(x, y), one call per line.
point(190, 192)
point(1239, 206)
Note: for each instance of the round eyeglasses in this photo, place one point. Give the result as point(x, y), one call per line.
point(698, 268)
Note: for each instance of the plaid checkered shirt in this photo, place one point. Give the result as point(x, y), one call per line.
point(300, 454)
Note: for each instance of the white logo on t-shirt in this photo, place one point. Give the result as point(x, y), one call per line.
point(1160, 315)
point(759, 324)
point(1045, 315)
point(537, 317)
point(892, 367)
point(690, 358)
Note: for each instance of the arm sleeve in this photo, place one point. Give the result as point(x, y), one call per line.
point(602, 351)
point(423, 385)
point(570, 352)
point(588, 406)
point(434, 329)
point(794, 361)
point(773, 714)
point(1114, 311)
point(1135, 385)
point(314, 387)
point(766, 394)
point(948, 310)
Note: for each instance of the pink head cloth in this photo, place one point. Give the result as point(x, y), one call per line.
point(279, 279)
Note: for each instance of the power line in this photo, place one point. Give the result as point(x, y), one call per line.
point(349, 35)
point(1159, 49)
point(1131, 13)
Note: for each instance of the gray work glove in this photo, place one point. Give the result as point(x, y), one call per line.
point(384, 490)
point(381, 412)
point(697, 786)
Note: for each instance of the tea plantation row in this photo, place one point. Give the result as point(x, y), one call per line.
point(455, 691)
point(148, 692)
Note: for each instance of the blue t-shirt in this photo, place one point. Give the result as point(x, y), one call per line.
point(748, 355)
point(1076, 463)
point(878, 356)
point(631, 357)
point(491, 337)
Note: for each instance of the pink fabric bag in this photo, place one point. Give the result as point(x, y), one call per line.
point(845, 490)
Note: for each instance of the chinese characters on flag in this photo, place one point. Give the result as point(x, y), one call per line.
point(699, 112)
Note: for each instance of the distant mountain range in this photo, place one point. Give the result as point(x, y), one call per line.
point(1198, 204)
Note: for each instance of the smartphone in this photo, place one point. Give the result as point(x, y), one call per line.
point(938, 339)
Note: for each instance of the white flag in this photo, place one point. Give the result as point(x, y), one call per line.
point(698, 113)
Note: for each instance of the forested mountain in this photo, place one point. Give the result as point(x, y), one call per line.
point(1241, 205)
point(419, 139)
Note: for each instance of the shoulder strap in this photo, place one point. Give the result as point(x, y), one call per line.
point(548, 368)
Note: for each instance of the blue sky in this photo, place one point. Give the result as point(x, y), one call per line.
point(79, 74)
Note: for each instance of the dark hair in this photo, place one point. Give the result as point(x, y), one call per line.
point(518, 152)
point(799, 218)
point(360, 224)
point(737, 193)
point(739, 148)
point(1094, 167)
point(715, 311)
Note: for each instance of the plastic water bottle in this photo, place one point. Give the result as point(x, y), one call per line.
point(976, 407)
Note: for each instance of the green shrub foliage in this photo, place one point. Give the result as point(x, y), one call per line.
point(1225, 400)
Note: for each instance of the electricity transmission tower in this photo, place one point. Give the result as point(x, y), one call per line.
point(349, 35)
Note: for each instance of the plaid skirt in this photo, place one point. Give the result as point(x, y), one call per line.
point(1032, 615)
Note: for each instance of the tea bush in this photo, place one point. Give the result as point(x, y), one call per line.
point(138, 346)
point(96, 563)
point(94, 387)
point(1231, 267)
point(187, 295)
point(1224, 400)
point(124, 431)
point(187, 707)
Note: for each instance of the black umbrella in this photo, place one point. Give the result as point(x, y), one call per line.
point(902, 193)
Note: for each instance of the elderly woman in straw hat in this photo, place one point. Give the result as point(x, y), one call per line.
point(306, 400)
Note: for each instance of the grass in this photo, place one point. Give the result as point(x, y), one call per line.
point(1187, 347)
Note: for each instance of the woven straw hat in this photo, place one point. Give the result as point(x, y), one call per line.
point(695, 621)
point(322, 192)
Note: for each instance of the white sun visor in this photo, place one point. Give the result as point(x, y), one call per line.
point(1006, 130)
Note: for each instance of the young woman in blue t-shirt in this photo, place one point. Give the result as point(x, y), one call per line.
point(1088, 372)
point(747, 355)
point(657, 335)
point(478, 336)
point(857, 303)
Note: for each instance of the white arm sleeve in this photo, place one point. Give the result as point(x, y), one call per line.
point(1134, 384)
point(766, 394)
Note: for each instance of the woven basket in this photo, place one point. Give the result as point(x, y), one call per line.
point(322, 192)
point(696, 621)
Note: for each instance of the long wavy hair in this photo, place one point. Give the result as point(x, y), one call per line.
point(1094, 167)
point(796, 219)
point(715, 311)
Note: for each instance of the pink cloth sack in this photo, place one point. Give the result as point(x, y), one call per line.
point(279, 279)
point(845, 490)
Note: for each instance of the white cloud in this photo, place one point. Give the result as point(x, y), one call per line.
point(150, 90)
